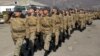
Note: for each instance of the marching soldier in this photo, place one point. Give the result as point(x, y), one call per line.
point(69, 22)
point(76, 18)
point(46, 24)
point(62, 30)
point(65, 22)
point(56, 26)
point(40, 40)
point(82, 19)
point(18, 31)
point(31, 28)
point(90, 18)
point(72, 14)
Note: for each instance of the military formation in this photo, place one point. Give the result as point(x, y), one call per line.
point(45, 28)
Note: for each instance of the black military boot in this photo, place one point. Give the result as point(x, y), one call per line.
point(14, 55)
point(46, 53)
point(55, 48)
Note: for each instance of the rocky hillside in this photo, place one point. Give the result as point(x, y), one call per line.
point(73, 3)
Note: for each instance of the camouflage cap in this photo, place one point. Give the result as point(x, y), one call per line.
point(54, 7)
point(46, 8)
point(30, 7)
point(41, 9)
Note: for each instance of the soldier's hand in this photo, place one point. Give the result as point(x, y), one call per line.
point(27, 36)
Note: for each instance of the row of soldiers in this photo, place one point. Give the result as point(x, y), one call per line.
point(45, 28)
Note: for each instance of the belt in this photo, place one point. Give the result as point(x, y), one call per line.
point(32, 25)
point(18, 31)
point(57, 22)
point(46, 26)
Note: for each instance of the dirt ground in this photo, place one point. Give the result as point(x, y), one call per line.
point(86, 43)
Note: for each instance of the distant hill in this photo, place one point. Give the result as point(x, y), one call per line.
point(73, 3)
point(62, 3)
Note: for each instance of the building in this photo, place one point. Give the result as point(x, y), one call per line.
point(20, 2)
point(10, 4)
point(6, 8)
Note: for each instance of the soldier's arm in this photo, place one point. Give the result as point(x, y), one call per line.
point(27, 29)
point(11, 19)
point(62, 22)
point(53, 24)
point(65, 23)
point(38, 24)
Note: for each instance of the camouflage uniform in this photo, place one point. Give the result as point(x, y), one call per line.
point(82, 21)
point(46, 24)
point(89, 18)
point(32, 26)
point(69, 23)
point(75, 19)
point(56, 27)
point(98, 14)
point(61, 23)
point(65, 24)
point(18, 30)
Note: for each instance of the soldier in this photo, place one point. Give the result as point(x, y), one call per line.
point(56, 25)
point(82, 19)
point(69, 22)
point(46, 24)
point(61, 18)
point(65, 22)
point(98, 14)
point(72, 12)
point(37, 11)
point(31, 28)
point(62, 30)
point(18, 31)
point(40, 40)
point(90, 18)
point(76, 18)
point(7, 15)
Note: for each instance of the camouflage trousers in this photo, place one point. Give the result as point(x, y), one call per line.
point(82, 24)
point(57, 34)
point(18, 39)
point(69, 27)
point(73, 24)
point(32, 37)
point(90, 20)
point(47, 38)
